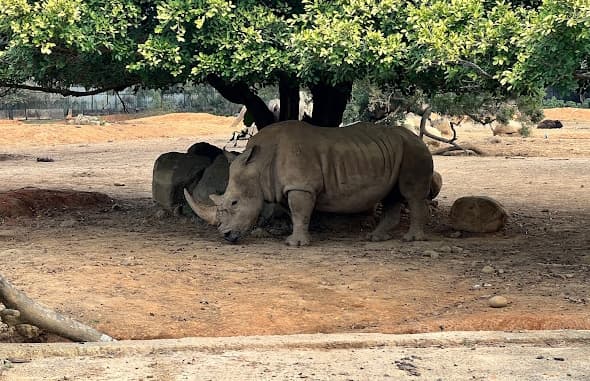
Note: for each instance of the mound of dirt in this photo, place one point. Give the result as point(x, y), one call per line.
point(568, 114)
point(117, 129)
point(28, 202)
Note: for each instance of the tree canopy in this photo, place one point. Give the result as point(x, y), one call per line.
point(504, 48)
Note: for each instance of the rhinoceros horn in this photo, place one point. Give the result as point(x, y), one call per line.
point(206, 212)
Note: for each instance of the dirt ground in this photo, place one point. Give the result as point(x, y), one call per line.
point(134, 273)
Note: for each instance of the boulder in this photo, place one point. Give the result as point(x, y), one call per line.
point(478, 214)
point(548, 123)
point(213, 181)
point(204, 149)
point(513, 127)
point(443, 125)
point(173, 171)
point(435, 185)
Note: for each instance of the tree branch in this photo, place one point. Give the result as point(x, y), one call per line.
point(582, 74)
point(122, 102)
point(467, 64)
point(240, 92)
point(67, 92)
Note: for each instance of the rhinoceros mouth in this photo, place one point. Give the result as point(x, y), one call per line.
point(231, 236)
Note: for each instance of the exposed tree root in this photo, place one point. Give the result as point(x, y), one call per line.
point(465, 148)
point(29, 312)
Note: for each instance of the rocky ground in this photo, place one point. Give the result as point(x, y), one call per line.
point(134, 272)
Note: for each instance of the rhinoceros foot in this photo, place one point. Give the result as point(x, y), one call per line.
point(298, 239)
point(379, 236)
point(414, 236)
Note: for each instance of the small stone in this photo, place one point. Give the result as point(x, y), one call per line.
point(129, 261)
point(445, 249)
point(7, 234)
point(487, 270)
point(500, 271)
point(456, 234)
point(28, 331)
point(119, 184)
point(431, 253)
point(569, 276)
point(10, 317)
point(498, 301)
point(68, 223)
point(161, 214)
point(456, 250)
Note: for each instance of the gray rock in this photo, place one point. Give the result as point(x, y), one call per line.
point(172, 172)
point(70, 223)
point(478, 214)
point(204, 149)
point(431, 253)
point(213, 181)
point(445, 249)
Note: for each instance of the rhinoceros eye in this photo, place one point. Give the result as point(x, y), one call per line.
point(234, 203)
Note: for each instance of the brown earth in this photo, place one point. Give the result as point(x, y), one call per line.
point(134, 273)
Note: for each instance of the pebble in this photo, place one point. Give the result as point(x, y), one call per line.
point(16, 252)
point(456, 250)
point(8, 233)
point(431, 253)
point(28, 331)
point(487, 270)
point(161, 214)
point(445, 249)
point(68, 223)
point(498, 301)
point(119, 184)
point(456, 234)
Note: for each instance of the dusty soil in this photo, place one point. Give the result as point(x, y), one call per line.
point(128, 270)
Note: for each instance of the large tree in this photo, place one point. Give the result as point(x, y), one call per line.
point(432, 46)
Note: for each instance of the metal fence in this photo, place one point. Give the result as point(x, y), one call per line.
point(35, 105)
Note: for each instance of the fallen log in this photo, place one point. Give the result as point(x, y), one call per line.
point(40, 316)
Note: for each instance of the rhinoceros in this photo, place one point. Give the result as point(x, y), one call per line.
point(342, 170)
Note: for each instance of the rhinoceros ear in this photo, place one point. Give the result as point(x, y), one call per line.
point(230, 156)
point(216, 198)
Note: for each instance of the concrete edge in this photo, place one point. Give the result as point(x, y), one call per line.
point(295, 342)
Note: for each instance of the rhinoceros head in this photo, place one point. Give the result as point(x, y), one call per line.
point(236, 211)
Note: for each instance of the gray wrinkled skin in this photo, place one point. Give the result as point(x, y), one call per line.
point(343, 170)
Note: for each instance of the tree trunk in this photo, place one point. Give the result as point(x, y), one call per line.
point(289, 96)
point(329, 103)
point(241, 93)
point(44, 318)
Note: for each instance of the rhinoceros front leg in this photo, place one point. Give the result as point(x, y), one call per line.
point(389, 220)
point(301, 204)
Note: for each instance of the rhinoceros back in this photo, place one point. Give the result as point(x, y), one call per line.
point(350, 169)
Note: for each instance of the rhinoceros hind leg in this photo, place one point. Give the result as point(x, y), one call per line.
point(301, 204)
point(418, 217)
point(389, 220)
